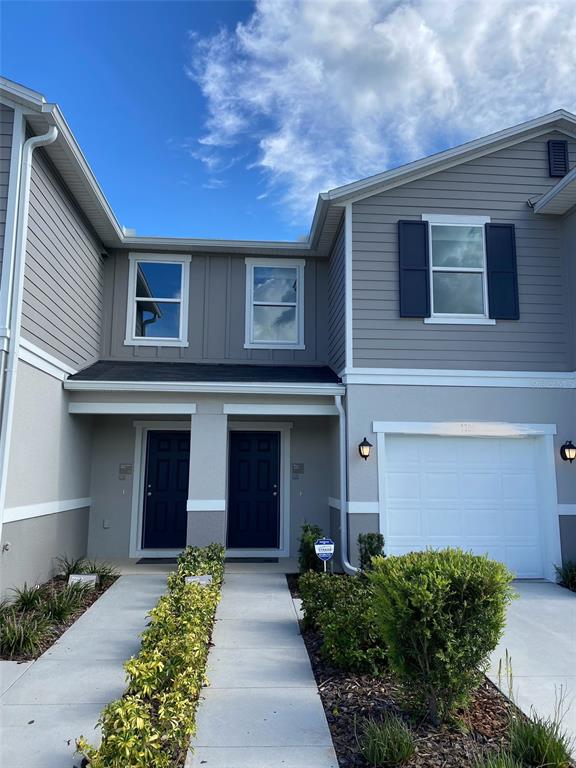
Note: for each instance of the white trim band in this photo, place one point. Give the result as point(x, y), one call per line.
point(424, 377)
point(163, 409)
point(355, 507)
point(567, 509)
point(206, 505)
point(38, 358)
point(13, 514)
point(463, 428)
point(213, 387)
point(263, 409)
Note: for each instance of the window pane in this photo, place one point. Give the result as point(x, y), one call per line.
point(275, 284)
point(157, 319)
point(275, 324)
point(458, 293)
point(457, 246)
point(160, 280)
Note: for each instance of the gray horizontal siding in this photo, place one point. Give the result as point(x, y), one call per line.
point(498, 186)
point(63, 291)
point(337, 304)
point(216, 315)
point(6, 129)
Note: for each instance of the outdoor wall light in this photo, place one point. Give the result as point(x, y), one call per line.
point(364, 449)
point(568, 451)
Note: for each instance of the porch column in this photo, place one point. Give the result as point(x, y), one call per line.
point(207, 480)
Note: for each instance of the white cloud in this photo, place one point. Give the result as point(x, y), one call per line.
point(334, 90)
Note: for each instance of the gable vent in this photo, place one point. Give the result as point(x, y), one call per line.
point(558, 157)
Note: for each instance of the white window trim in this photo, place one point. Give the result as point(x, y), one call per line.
point(299, 264)
point(437, 318)
point(136, 341)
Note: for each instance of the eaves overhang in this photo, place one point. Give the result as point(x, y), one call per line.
point(561, 198)
point(207, 387)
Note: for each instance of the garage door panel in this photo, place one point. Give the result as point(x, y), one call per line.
point(480, 494)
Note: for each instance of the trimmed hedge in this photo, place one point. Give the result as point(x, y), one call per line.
point(342, 610)
point(151, 725)
point(308, 560)
point(440, 614)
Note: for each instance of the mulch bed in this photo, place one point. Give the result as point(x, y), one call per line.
point(350, 698)
point(57, 630)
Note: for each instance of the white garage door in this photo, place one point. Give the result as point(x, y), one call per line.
point(480, 494)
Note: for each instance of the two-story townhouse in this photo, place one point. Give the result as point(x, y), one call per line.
point(164, 391)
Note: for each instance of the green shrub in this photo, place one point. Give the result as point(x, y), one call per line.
point(440, 614)
point(308, 560)
point(540, 742)
point(66, 566)
point(342, 609)
point(151, 725)
point(22, 634)
point(60, 604)
point(369, 545)
point(567, 575)
point(387, 742)
point(29, 598)
point(104, 571)
point(497, 760)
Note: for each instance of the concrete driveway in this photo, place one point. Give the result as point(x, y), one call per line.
point(540, 638)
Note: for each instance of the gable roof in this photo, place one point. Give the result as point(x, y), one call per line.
point(72, 165)
point(560, 198)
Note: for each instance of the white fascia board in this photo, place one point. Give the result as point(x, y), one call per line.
point(428, 377)
point(43, 361)
point(164, 409)
point(19, 93)
point(560, 120)
point(544, 202)
point(269, 409)
point(249, 388)
point(463, 428)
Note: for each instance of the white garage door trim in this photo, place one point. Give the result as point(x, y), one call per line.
point(546, 457)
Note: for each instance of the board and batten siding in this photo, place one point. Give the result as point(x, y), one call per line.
point(497, 185)
point(6, 129)
point(216, 315)
point(337, 304)
point(63, 290)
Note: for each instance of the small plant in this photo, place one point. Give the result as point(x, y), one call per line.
point(567, 575)
point(307, 558)
point(386, 742)
point(497, 760)
point(104, 571)
point(540, 741)
point(66, 566)
point(22, 634)
point(29, 599)
point(369, 545)
point(440, 614)
point(60, 604)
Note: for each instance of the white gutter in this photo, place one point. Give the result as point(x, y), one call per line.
point(19, 264)
point(346, 564)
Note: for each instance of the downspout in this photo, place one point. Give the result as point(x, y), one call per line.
point(15, 311)
point(346, 564)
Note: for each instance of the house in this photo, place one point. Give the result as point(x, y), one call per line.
point(159, 391)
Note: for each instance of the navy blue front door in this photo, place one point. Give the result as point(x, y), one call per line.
point(166, 490)
point(254, 490)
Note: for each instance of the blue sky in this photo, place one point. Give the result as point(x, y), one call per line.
point(226, 119)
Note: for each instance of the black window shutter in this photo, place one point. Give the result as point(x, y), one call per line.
point(502, 272)
point(558, 157)
point(414, 269)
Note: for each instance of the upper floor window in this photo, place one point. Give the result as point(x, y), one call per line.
point(157, 300)
point(458, 275)
point(274, 304)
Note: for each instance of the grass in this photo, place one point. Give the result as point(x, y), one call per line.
point(387, 742)
point(67, 566)
point(60, 604)
point(497, 760)
point(567, 575)
point(540, 741)
point(22, 634)
point(29, 598)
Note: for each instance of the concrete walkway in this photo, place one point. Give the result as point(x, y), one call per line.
point(262, 709)
point(540, 638)
point(45, 705)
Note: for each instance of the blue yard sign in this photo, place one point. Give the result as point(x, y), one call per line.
point(324, 549)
